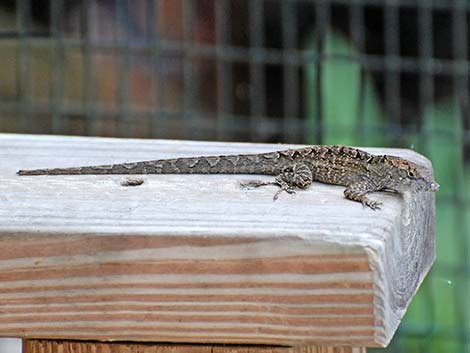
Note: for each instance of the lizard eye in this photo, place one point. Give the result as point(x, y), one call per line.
point(411, 173)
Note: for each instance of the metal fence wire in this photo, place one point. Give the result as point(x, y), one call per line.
point(362, 72)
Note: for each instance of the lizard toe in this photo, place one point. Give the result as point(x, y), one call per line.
point(289, 190)
point(250, 184)
point(372, 204)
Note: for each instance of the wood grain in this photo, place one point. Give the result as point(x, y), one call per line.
point(195, 259)
point(46, 346)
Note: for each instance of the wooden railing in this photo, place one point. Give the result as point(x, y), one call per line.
point(193, 263)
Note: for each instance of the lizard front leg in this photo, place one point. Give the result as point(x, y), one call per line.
point(357, 192)
point(298, 176)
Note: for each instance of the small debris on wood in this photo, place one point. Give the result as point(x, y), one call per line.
point(132, 181)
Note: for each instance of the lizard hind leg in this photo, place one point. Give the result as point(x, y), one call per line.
point(298, 176)
point(357, 192)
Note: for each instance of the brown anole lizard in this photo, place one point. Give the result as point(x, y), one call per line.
point(360, 172)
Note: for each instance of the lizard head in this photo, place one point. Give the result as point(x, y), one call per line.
point(403, 175)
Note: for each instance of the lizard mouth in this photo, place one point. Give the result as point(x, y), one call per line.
point(433, 186)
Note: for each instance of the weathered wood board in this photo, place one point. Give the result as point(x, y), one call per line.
point(45, 346)
point(196, 259)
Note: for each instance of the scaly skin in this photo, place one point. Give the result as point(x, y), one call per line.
point(360, 172)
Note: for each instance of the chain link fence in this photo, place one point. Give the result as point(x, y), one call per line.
point(364, 72)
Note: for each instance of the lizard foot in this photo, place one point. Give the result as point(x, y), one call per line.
point(283, 186)
point(287, 189)
point(250, 184)
point(357, 192)
point(372, 204)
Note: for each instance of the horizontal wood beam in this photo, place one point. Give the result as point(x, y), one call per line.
point(50, 346)
point(196, 259)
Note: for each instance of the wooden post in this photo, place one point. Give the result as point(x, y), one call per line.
point(196, 261)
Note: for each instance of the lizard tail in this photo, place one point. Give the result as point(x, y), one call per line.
point(100, 169)
point(232, 164)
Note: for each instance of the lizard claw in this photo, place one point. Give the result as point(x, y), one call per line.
point(372, 204)
point(290, 191)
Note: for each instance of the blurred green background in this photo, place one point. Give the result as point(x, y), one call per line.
point(438, 318)
point(361, 73)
